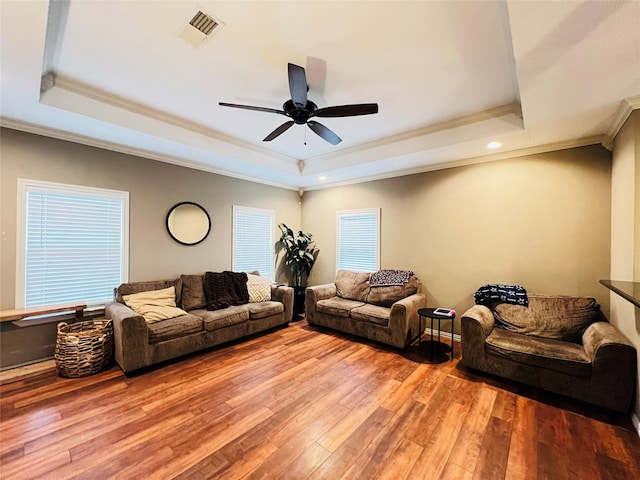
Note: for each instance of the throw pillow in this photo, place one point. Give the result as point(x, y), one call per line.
point(154, 305)
point(137, 287)
point(259, 288)
point(193, 292)
point(352, 285)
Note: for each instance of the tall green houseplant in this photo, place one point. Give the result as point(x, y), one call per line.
point(300, 254)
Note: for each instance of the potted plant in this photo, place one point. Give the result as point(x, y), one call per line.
point(300, 254)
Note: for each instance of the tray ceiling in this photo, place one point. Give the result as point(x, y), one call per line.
point(449, 77)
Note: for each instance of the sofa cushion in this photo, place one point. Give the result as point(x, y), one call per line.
point(215, 319)
point(372, 314)
point(137, 287)
point(387, 295)
point(352, 285)
point(555, 317)
point(171, 328)
point(340, 307)
point(259, 288)
point(264, 309)
point(154, 305)
point(560, 356)
point(193, 292)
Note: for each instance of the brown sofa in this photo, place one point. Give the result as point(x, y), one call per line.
point(386, 314)
point(558, 343)
point(139, 343)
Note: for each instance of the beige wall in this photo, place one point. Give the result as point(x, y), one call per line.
point(542, 221)
point(154, 188)
point(625, 228)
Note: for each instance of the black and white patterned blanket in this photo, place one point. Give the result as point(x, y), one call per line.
point(383, 278)
point(494, 292)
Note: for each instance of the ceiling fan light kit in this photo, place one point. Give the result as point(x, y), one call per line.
point(300, 109)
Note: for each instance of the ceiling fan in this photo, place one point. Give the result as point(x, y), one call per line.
point(300, 109)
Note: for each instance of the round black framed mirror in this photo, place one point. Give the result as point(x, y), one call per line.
point(188, 223)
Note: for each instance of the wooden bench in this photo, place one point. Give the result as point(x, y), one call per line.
point(22, 313)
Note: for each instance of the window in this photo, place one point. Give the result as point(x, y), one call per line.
point(359, 239)
point(253, 244)
point(72, 243)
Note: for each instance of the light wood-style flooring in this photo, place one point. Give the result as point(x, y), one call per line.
point(299, 403)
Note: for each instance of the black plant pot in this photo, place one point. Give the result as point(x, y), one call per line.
point(298, 302)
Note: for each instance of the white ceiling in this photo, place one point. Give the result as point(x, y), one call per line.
point(448, 76)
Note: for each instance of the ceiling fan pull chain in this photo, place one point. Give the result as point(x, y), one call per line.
point(305, 133)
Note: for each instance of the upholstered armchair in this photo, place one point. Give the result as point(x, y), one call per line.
point(560, 344)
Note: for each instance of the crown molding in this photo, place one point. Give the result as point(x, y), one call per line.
point(137, 152)
point(522, 152)
point(60, 135)
point(625, 109)
point(513, 109)
point(120, 103)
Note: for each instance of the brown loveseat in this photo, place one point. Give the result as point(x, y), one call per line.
point(386, 314)
point(558, 343)
point(140, 342)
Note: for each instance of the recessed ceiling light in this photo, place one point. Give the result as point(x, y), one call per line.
point(322, 177)
point(494, 145)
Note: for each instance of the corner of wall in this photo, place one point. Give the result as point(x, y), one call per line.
point(625, 235)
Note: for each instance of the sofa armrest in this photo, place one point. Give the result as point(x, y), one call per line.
point(314, 294)
point(404, 316)
point(408, 307)
point(130, 335)
point(322, 292)
point(281, 293)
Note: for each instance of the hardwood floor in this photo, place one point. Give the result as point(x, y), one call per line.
point(297, 403)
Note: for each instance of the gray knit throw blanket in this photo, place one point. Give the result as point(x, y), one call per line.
point(383, 278)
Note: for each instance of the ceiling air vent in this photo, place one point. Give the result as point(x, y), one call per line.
point(203, 22)
point(200, 28)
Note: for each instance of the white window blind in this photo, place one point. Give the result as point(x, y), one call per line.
point(359, 239)
point(72, 245)
point(253, 245)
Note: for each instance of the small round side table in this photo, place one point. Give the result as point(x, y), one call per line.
point(435, 345)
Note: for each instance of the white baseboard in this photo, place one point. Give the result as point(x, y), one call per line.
point(636, 422)
point(443, 334)
point(27, 371)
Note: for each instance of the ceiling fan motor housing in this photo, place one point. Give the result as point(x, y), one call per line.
point(297, 114)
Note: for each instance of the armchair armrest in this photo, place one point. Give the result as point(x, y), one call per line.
point(281, 293)
point(613, 364)
point(476, 325)
point(480, 315)
point(316, 293)
point(130, 335)
point(602, 335)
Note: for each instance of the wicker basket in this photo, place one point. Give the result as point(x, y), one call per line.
point(83, 348)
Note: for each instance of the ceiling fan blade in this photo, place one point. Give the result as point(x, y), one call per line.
point(250, 107)
point(324, 132)
point(298, 85)
point(278, 131)
point(347, 110)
